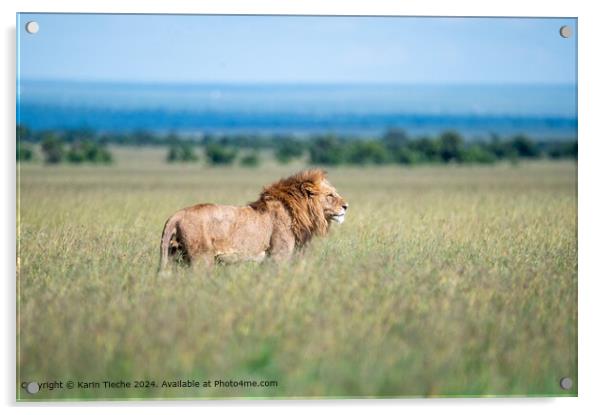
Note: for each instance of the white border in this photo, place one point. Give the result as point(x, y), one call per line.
point(590, 206)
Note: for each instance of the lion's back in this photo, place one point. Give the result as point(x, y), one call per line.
point(223, 228)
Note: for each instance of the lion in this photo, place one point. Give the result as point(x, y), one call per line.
point(286, 216)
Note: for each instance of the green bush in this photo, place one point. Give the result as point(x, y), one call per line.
point(406, 155)
point(366, 152)
point(450, 144)
point(426, 149)
point(24, 151)
point(501, 149)
point(477, 153)
point(328, 150)
point(250, 160)
point(563, 150)
point(395, 139)
point(88, 151)
point(218, 154)
point(52, 148)
point(288, 149)
point(181, 152)
point(102, 155)
point(75, 155)
point(524, 147)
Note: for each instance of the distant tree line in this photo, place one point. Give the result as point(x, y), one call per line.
point(394, 147)
point(56, 149)
point(449, 147)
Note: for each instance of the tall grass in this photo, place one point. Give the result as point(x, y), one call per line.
point(443, 281)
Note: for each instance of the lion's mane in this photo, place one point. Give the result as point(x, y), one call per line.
point(297, 194)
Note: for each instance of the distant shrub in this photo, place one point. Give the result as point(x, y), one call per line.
point(24, 151)
point(172, 154)
point(181, 152)
point(328, 150)
point(97, 153)
point(288, 149)
point(501, 149)
point(88, 152)
point(524, 147)
point(218, 154)
point(52, 148)
point(450, 144)
point(426, 150)
point(406, 155)
point(250, 160)
point(75, 155)
point(477, 153)
point(366, 152)
point(563, 150)
point(395, 139)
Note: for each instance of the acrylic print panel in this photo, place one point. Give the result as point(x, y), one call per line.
point(160, 255)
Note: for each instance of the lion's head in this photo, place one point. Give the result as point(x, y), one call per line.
point(313, 203)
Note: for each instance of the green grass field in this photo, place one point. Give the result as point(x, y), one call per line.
point(443, 281)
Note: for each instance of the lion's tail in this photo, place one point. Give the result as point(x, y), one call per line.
point(169, 230)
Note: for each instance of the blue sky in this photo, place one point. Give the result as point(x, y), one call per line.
point(251, 49)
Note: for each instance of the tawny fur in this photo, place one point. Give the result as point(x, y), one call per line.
point(286, 216)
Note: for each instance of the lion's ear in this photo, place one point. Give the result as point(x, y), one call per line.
point(309, 189)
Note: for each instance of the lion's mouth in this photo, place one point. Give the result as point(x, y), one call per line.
point(340, 218)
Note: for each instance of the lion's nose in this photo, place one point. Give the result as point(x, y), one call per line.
point(345, 206)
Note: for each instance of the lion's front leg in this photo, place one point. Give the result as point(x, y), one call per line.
point(282, 246)
point(202, 263)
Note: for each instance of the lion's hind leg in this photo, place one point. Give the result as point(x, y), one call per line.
point(173, 250)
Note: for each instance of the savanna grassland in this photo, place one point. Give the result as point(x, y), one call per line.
point(443, 281)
